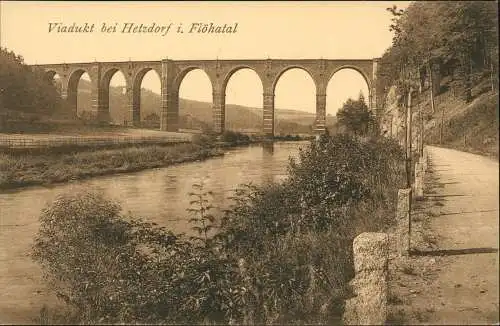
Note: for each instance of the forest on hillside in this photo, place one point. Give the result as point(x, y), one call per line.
point(445, 55)
point(459, 40)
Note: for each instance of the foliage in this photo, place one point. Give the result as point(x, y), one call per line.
point(281, 255)
point(234, 137)
point(355, 116)
point(23, 90)
point(201, 211)
point(112, 269)
point(474, 130)
point(295, 237)
point(462, 37)
point(204, 139)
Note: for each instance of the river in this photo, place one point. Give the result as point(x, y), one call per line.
point(157, 195)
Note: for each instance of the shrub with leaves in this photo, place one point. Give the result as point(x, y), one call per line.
point(296, 237)
point(110, 268)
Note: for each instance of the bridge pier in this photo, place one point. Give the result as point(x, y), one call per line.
point(169, 115)
point(320, 113)
point(170, 112)
point(219, 111)
point(133, 114)
point(268, 114)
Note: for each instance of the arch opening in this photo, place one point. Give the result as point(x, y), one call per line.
point(79, 99)
point(295, 102)
point(114, 106)
point(146, 104)
point(346, 83)
point(54, 79)
point(243, 102)
point(194, 104)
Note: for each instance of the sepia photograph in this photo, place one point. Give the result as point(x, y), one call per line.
point(249, 163)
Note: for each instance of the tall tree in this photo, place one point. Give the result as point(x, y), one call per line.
point(23, 90)
point(355, 116)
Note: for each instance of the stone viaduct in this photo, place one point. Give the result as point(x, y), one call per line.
point(171, 73)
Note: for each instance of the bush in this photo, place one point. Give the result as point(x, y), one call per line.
point(234, 138)
point(205, 140)
point(296, 236)
point(111, 268)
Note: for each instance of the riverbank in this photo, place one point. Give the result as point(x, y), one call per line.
point(28, 169)
point(35, 167)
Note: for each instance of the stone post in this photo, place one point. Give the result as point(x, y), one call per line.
point(369, 306)
point(403, 221)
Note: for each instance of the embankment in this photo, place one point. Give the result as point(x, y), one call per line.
point(470, 127)
point(27, 169)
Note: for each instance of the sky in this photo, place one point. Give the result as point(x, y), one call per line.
point(281, 30)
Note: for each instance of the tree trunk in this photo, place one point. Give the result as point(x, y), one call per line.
point(408, 140)
point(492, 73)
point(467, 78)
point(431, 78)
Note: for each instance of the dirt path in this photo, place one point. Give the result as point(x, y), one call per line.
point(454, 278)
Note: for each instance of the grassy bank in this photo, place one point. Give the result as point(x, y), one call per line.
point(466, 126)
point(281, 253)
point(473, 130)
point(18, 170)
point(21, 167)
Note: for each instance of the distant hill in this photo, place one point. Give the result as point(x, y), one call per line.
point(198, 113)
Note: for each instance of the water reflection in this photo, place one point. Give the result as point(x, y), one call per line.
point(161, 195)
point(267, 162)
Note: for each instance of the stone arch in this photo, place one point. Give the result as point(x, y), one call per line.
point(49, 76)
point(281, 72)
point(274, 99)
point(104, 110)
point(182, 74)
point(174, 93)
point(108, 75)
point(366, 77)
point(224, 97)
point(355, 68)
point(72, 88)
point(50, 73)
point(136, 92)
point(234, 70)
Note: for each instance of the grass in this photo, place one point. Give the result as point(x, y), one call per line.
point(470, 127)
point(41, 169)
